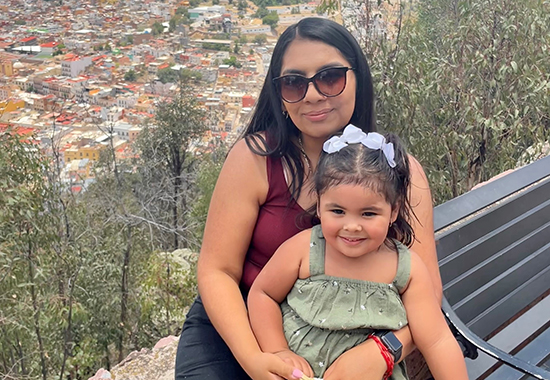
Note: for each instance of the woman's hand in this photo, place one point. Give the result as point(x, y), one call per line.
point(363, 362)
point(296, 361)
point(265, 366)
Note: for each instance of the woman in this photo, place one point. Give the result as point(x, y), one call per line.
point(317, 83)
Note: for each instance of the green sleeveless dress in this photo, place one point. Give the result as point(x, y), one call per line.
point(324, 316)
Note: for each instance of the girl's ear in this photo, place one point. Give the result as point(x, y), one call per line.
point(394, 214)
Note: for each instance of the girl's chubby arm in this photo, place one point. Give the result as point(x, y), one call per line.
point(240, 191)
point(430, 332)
point(290, 262)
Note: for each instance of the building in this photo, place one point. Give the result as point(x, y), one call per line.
point(11, 105)
point(72, 67)
point(29, 41)
point(48, 48)
point(89, 151)
point(232, 97)
point(256, 29)
point(248, 101)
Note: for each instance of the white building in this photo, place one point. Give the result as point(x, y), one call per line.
point(72, 67)
point(112, 114)
point(126, 101)
point(256, 29)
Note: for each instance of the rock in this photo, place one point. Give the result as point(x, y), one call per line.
point(155, 364)
point(165, 342)
point(101, 374)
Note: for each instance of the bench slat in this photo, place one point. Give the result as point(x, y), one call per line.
point(500, 262)
point(503, 232)
point(512, 336)
point(520, 297)
point(534, 353)
point(473, 201)
point(484, 347)
point(479, 225)
point(493, 247)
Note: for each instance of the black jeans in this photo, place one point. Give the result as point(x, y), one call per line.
point(202, 353)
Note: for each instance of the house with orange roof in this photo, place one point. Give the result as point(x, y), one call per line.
point(49, 47)
point(28, 41)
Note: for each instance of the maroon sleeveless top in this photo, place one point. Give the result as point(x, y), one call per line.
point(279, 218)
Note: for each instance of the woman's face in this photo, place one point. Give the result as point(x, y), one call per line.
point(316, 115)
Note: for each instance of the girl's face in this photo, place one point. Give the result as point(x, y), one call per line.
point(354, 219)
point(318, 116)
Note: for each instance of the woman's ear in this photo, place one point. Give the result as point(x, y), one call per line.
point(318, 208)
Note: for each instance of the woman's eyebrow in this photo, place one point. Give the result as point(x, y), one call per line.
point(301, 72)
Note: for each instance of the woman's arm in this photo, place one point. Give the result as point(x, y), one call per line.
point(240, 191)
point(429, 329)
point(269, 289)
point(351, 364)
point(423, 225)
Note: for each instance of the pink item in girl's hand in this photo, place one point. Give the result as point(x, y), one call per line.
point(300, 375)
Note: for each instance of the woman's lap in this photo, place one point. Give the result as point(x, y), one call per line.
point(202, 353)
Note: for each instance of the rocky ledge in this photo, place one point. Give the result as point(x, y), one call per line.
point(155, 364)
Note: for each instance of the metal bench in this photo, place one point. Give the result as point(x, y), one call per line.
point(493, 246)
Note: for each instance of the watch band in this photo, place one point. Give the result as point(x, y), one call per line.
point(390, 341)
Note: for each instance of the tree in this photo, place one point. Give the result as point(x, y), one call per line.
point(130, 76)
point(23, 197)
point(188, 75)
point(271, 19)
point(182, 11)
point(467, 87)
point(260, 39)
point(261, 12)
point(242, 39)
point(242, 5)
point(236, 48)
point(59, 321)
point(165, 150)
point(168, 75)
point(232, 61)
point(157, 28)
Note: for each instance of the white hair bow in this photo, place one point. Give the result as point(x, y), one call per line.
point(354, 135)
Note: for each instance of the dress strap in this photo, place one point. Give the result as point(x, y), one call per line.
point(317, 251)
point(403, 266)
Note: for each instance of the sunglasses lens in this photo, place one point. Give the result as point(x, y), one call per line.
point(293, 87)
point(331, 82)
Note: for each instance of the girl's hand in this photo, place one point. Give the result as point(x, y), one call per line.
point(296, 361)
point(363, 362)
point(265, 366)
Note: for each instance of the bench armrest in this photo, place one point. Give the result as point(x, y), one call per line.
point(465, 336)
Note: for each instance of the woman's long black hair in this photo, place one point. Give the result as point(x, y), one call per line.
point(268, 116)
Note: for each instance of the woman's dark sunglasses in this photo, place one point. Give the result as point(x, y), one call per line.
point(329, 82)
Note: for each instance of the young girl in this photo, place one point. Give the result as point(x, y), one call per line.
point(353, 276)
